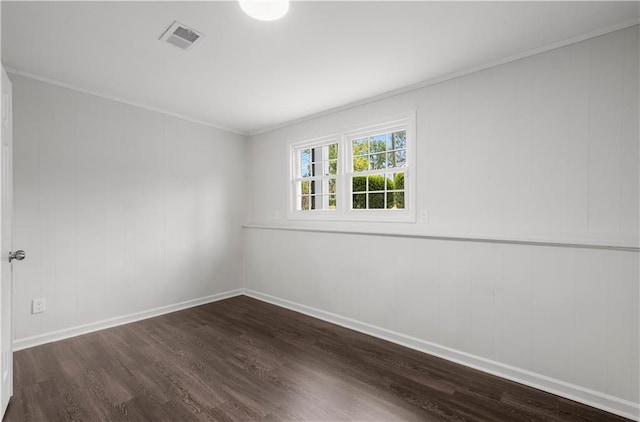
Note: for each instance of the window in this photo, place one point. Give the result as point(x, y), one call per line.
point(357, 175)
point(377, 173)
point(317, 169)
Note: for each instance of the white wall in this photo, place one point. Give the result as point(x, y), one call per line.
point(120, 210)
point(545, 148)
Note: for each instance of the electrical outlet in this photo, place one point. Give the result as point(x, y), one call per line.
point(424, 216)
point(38, 305)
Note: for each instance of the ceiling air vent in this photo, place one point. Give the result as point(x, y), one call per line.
point(181, 35)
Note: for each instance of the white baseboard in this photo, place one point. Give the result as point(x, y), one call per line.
point(32, 341)
point(586, 396)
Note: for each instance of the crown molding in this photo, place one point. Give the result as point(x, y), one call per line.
point(55, 82)
point(573, 40)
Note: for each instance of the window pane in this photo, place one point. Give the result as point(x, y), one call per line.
point(378, 161)
point(378, 143)
point(332, 185)
point(399, 139)
point(359, 201)
point(391, 159)
point(376, 200)
point(398, 180)
point(389, 182)
point(375, 183)
point(322, 202)
point(305, 156)
point(391, 201)
point(390, 143)
point(360, 147)
point(360, 163)
point(322, 168)
point(399, 200)
point(333, 167)
point(400, 158)
point(317, 202)
point(333, 151)
point(319, 161)
point(304, 202)
point(359, 184)
point(305, 187)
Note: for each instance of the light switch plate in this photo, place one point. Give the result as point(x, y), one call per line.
point(38, 305)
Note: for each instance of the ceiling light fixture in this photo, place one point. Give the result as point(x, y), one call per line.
point(265, 10)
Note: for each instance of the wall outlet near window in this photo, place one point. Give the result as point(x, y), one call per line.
point(38, 305)
point(424, 216)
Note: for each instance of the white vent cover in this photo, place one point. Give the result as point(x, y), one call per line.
point(181, 35)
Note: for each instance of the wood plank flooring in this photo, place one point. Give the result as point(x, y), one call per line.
point(242, 359)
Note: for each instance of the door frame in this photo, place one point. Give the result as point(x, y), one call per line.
point(6, 239)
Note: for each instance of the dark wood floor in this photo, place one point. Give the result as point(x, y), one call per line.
point(242, 359)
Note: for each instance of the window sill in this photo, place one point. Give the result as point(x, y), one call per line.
point(364, 216)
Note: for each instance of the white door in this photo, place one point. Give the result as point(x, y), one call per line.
point(6, 235)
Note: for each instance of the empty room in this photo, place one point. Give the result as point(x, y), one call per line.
point(251, 210)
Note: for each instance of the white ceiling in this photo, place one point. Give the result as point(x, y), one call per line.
point(248, 75)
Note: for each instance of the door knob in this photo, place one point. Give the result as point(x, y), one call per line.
point(17, 255)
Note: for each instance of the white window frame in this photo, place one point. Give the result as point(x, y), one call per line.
point(343, 211)
point(295, 178)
